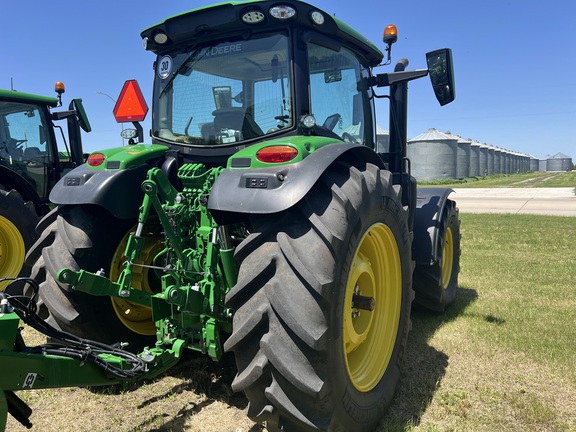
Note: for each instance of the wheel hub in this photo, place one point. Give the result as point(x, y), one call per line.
point(372, 307)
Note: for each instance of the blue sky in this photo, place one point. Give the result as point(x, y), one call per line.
point(515, 61)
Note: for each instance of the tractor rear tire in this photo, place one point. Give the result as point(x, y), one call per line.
point(17, 234)
point(87, 238)
point(309, 353)
point(436, 285)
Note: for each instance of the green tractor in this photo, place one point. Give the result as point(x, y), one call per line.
point(30, 165)
point(263, 219)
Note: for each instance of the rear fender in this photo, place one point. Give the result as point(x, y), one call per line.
point(427, 224)
point(10, 179)
point(237, 193)
point(115, 185)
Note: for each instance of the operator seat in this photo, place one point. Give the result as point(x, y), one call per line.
point(237, 119)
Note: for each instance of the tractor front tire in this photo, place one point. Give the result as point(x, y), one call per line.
point(18, 220)
point(88, 238)
point(436, 284)
point(310, 353)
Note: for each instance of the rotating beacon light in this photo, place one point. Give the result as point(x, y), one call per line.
point(390, 37)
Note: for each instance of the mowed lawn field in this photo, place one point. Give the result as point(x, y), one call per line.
point(502, 358)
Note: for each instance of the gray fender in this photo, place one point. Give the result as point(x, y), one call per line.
point(240, 192)
point(119, 191)
point(430, 204)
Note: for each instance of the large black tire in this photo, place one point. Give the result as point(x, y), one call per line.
point(305, 360)
point(436, 285)
point(17, 222)
point(89, 238)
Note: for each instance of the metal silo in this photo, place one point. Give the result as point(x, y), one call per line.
point(382, 139)
point(542, 165)
point(433, 155)
point(534, 163)
point(559, 162)
point(497, 160)
point(524, 162)
point(483, 165)
point(474, 159)
point(490, 160)
point(463, 158)
point(506, 158)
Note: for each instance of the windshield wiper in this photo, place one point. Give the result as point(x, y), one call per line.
point(184, 67)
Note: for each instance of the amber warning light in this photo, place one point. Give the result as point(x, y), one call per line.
point(130, 106)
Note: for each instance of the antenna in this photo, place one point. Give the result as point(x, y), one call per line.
point(11, 83)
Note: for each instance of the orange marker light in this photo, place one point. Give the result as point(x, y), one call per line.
point(276, 154)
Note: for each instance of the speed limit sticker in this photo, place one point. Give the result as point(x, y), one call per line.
point(164, 67)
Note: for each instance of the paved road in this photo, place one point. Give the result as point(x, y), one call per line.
point(545, 201)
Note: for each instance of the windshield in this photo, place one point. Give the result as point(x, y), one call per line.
point(338, 101)
point(224, 93)
point(25, 143)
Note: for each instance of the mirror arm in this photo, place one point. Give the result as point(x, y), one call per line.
point(391, 78)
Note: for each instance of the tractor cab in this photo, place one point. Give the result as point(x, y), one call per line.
point(227, 77)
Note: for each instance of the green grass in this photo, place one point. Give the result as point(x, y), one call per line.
point(502, 356)
point(523, 268)
point(533, 179)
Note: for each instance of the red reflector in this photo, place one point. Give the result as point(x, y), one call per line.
point(276, 154)
point(96, 159)
point(130, 105)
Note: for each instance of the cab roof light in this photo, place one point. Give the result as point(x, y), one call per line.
point(317, 17)
point(276, 154)
point(96, 159)
point(282, 12)
point(253, 16)
point(160, 38)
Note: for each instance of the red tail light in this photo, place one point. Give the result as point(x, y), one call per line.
point(96, 159)
point(276, 154)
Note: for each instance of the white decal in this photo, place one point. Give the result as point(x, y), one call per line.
point(220, 50)
point(29, 381)
point(164, 67)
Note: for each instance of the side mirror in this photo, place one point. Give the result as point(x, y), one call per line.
point(441, 71)
point(76, 105)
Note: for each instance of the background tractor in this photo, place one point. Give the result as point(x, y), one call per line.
point(262, 219)
point(30, 165)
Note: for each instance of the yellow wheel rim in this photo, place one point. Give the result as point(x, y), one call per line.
point(136, 317)
point(12, 251)
point(447, 258)
point(369, 336)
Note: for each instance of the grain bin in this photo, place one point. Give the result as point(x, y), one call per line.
point(433, 155)
point(506, 162)
point(497, 160)
point(463, 158)
point(483, 164)
point(474, 159)
point(534, 163)
point(382, 139)
point(490, 160)
point(542, 164)
point(559, 162)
